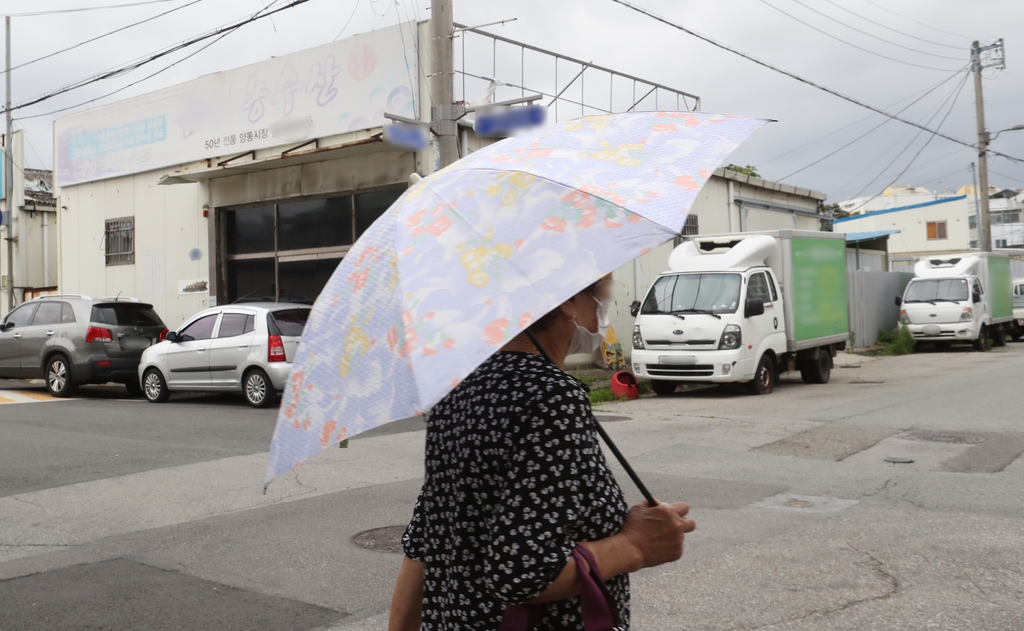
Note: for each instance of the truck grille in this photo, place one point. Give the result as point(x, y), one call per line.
point(694, 370)
point(683, 343)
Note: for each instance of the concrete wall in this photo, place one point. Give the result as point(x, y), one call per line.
point(873, 305)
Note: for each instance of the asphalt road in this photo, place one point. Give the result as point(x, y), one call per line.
point(126, 515)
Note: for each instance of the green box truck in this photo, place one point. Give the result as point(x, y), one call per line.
point(742, 308)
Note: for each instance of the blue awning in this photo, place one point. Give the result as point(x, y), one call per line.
point(857, 237)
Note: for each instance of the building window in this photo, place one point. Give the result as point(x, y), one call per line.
point(287, 252)
point(936, 230)
point(691, 227)
point(1001, 243)
point(972, 221)
point(119, 241)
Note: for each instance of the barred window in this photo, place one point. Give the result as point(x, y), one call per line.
point(691, 227)
point(119, 237)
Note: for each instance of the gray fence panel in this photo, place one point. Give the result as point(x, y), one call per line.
point(872, 304)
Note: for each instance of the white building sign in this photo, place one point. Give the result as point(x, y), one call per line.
point(331, 89)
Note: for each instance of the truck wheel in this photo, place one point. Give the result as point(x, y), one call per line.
point(999, 336)
point(981, 344)
point(663, 388)
point(764, 377)
point(817, 369)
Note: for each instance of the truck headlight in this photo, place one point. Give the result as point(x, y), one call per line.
point(732, 337)
point(967, 314)
point(638, 341)
point(904, 319)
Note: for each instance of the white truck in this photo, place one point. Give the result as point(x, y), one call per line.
point(742, 308)
point(959, 298)
point(1017, 326)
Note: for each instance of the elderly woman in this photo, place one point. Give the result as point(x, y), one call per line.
point(515, 481)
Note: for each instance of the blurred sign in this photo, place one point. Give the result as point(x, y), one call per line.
point(407, 136)
point(502, 120)
point(332, 89)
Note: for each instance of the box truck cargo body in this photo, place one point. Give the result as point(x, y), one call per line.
point(741, 308)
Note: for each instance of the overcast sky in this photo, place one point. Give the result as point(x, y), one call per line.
point(932, 33)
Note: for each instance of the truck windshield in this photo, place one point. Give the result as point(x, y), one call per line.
point(694, 293)
point(937, 290)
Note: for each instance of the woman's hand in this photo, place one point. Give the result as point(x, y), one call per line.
point(657, 532)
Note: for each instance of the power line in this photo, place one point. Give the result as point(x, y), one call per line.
point(154, 57)
point(81, 9)
point(839, 39)
point(150, 76)
point(88, 41)
point(915, 21)
point(347, 22)
point(872, 130)
point(889, 28)
point(881, 39)
point(797, 77)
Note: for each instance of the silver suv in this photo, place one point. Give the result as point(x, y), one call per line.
point(72, 340)
point(247, 348)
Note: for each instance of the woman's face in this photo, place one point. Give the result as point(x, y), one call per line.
point(586, 304)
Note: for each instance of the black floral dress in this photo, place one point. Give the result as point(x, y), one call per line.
point(514, 478)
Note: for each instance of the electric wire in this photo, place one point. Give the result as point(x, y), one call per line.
point(405, 57)
point(915, 21)
point(872, 130)
point(147, 77)
point(81, 9)
point(881, 39)
point(795, 76)
point(107, 34)
point(889, 28)
point(841, 40)
point(347, 22)
point(154, 57)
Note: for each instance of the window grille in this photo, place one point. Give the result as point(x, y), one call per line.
point(691, 227)
point(119, 237)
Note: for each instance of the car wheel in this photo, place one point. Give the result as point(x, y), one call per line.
point(58, 377)
point(663, 388)
point(999, 336)
point(258, 390)
point(764, 377)
point(981, 344)
point(154, 387)
point(134, 389)
point(817, 369)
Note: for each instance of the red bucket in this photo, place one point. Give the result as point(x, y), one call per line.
point(624, 384)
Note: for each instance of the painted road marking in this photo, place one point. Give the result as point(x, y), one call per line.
point(23, 396)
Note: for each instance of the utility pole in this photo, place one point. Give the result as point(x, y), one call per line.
point(9, 179)
point(443, 113)
point(998, 61)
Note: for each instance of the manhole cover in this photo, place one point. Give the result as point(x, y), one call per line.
point(608, 418)
point(388, 539)
point(798, 504)
point(949, 438)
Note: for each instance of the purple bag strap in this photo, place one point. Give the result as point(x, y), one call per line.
point(596, 604)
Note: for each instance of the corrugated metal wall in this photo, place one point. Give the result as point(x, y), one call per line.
point(873, 304)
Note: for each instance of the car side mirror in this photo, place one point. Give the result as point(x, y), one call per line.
point(171, 337)
point(634, 308)
point(754, 307)
point(899, 301)
point(4, 326)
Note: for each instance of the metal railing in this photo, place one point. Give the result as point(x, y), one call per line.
point(590, 89)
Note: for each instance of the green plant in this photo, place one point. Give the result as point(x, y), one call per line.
point(899, 342)
point(604, 395)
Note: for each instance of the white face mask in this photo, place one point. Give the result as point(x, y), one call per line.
point(585, 341)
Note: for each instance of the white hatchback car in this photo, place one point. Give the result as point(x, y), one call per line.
point(245, 348)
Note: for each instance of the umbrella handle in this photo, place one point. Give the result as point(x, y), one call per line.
point(604, 436)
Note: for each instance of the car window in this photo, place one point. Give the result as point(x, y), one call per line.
point(757, 287)
point(47, 314)
point(288, 322)
point(67, 314)
point(21, 316)
point(126, 314)
point(201, 329)
point(771, 286)
point(250, 323)
point(233, 324)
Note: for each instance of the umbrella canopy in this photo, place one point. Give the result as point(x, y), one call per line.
point(470, 256)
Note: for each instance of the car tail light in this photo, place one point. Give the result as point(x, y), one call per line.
point(275, 349)
point(97, 334)
point(163, 335)
point(104, 364)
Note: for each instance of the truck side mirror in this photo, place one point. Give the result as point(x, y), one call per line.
point(977, 297)
point(754, 307)
point(171, 337)
point(634, 308)
point(899, 301)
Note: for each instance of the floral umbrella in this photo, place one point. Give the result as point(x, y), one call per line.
point(470, 256)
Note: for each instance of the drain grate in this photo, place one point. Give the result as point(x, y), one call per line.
point(949, 438)
point(387, 539)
